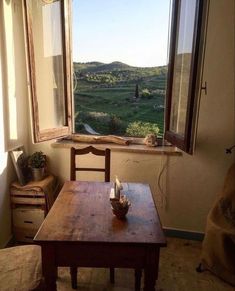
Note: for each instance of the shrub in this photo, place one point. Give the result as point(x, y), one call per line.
point(79, 126)
point(141, 129)
point(145, 93)
point(116, 126)
point(114, 123)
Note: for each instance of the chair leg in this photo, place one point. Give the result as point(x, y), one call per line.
point(199, 268)
point(111, 274)
point(73, 273)
point(138, 274)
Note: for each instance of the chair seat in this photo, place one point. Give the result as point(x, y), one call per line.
point(20, 268)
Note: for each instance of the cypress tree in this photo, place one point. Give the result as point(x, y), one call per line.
point(136, 91)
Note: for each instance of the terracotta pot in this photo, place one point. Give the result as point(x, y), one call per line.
point(38, 174)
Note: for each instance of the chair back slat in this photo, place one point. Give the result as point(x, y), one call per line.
point(91, 169)
point(90, 149)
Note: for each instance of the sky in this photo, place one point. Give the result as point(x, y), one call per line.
point(134, 32)
point(186, 26)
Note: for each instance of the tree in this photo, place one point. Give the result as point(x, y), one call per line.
point(136, 91)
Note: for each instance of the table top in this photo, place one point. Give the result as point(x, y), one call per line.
point(82, 214)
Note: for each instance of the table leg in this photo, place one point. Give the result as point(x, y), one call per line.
point(151, 269)
point(112, 275)
point(149, 279)
point(138, 274)
point(49, 269)
point(73, 274)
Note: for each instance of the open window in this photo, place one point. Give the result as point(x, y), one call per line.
point(48, 43)
point(185, 56)
point(48, 26)
point(120, 66)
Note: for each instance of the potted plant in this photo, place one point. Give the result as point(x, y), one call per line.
point(37, 163)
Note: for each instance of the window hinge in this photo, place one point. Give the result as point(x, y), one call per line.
point(204, 88)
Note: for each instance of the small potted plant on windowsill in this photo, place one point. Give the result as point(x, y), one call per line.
point(37, 163)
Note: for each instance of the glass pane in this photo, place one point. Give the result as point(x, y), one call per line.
point(182, 66)
point(48, 56)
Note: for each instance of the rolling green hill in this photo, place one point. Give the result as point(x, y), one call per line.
point(106, 97)
point(96, 67)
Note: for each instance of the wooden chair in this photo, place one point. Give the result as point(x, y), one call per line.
point(21, 268)
point(77, 152)
point(90, 149)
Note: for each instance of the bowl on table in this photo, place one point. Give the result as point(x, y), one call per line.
point(120, 207)
point(121, 212)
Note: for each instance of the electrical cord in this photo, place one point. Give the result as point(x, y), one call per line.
point(163, 196)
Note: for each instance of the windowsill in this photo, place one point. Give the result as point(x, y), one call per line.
point(133, 148)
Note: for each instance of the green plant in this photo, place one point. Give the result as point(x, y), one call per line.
point(37, 160)
point(146, 94)
point(114, 123)
point(141, 129)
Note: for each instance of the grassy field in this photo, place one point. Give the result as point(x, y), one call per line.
point(106, 99)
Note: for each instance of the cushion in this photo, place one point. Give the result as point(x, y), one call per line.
point(218, 247)
point(20, 268)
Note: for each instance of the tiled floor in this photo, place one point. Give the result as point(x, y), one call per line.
point(177, 273)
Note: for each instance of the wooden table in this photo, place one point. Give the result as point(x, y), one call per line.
point(80, 230)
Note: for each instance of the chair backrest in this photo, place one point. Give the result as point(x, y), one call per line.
point(90, 149)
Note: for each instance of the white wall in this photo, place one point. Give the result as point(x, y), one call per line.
point(13, 104)
point(189, 183)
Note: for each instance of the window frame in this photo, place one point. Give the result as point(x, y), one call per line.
point(40, 135)
point(186, 142)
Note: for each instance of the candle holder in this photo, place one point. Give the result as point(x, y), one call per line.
point(119, 202)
